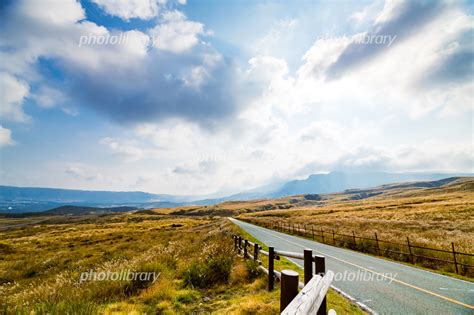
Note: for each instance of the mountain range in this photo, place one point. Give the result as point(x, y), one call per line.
point(31, 199)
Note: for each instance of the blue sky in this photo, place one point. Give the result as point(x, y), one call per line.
point(215, 97)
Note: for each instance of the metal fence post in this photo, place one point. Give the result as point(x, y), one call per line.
point(308, 265)
point(320, 263)
point(409, 249)
point(271, 275)
point(289, 287)
point(454, 256)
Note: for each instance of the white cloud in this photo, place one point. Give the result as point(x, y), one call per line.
point(176, 34)
point(47, 97)
point(281, 32)
point(130, 151)
point(5, 137)
point(13, 94)
point(52, 11)
point(382, 75)
point(128, 9)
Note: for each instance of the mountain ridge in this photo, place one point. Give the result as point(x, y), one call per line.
point(31, 199)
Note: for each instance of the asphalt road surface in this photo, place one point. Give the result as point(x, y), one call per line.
point(384, 287)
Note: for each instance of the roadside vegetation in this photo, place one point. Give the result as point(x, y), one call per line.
point(335, 301)
point(41, 266)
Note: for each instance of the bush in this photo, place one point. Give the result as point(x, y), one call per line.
point(212, 269)
point(252, 269)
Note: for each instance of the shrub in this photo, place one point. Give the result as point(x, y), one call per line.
point(214, 267)
point(252, 269)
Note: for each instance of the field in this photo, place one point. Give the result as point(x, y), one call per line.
point(430, 216)
point(42, 267)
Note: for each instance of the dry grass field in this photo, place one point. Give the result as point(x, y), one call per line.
point(430, 216)
point(41, 265)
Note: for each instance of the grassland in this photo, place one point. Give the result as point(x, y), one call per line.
point(41, 264)
point(429, 216)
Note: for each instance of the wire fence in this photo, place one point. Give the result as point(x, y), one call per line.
point(435, 258)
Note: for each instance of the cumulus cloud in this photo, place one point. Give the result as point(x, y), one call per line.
point(13, 94)
point(142, 9)
point(180, 77)
point(176, 33)
point(5, 137)
point(400, 19)
point(435, 38)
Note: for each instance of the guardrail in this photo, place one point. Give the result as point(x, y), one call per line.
point(460, 262)
point(312, 298)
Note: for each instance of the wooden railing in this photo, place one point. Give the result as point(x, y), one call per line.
point(312, 298)
point(460, 262)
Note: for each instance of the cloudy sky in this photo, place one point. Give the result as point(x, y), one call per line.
point(203, 97)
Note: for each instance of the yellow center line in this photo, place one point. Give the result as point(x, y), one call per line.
point(377, 273)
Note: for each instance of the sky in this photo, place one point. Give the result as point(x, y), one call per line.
point(214, 97)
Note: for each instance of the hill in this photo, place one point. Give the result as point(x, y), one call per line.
point(71, 210)
point(338, 181)
point(348, 196)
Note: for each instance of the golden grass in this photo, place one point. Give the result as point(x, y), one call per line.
point(40, 267)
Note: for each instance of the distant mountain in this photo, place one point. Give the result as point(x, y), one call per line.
point(338, 181)
point(73, 210)
point(29, 199)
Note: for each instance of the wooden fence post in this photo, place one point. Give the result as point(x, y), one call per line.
point(454, 256)
point(271, 275)
point(235, 242)
point(246, 243)
point(333, 238)
point(320, 264)
point(409, 249)
point(308, 265)
point(377, 243)
point(289, 287)
point(354, 236)
point(255, 251)
point(312, 230)
point(240, 242)
point(322, 234)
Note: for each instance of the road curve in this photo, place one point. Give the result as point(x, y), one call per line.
point(383, 286)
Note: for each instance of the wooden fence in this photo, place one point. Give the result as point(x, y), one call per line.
point(312, 297)
point(459, 262)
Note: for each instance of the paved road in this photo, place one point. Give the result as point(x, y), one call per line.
point(383, 286)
